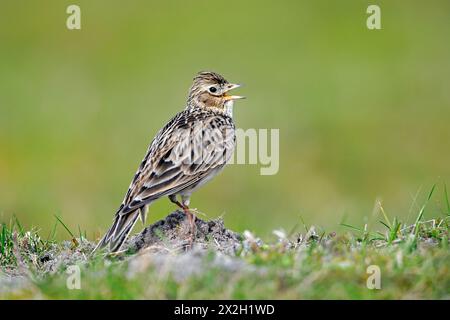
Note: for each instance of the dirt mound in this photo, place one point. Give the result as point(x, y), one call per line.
point(173, 234)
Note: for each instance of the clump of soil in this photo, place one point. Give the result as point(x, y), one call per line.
point(168, 246)
point(173, 234)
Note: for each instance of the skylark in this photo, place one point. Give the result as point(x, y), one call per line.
point(189, 150)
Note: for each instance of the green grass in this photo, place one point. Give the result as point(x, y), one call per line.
point(414, 261)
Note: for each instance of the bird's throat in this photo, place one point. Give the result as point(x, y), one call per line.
point(229, 108)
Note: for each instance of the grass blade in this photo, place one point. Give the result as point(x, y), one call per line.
point(446, 199)
point(422, 211)
point(74, 240)
point(19, 226)
point(384, 224)
point(385, 217)
point(351, 227)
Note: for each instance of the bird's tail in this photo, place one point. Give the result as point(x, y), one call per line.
point(119, 231)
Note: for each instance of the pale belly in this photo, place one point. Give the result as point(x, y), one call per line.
point(188, 191)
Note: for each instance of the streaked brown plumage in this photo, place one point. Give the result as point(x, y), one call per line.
point(189, 150)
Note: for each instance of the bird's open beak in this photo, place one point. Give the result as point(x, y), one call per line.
point(229, 87)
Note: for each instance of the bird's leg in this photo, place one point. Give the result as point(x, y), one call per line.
point(184, 204)
point(191, 217)
point(173, 199)
point(185, 200)
point(192, 226)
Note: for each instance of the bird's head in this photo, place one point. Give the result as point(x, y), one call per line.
point(211, 90)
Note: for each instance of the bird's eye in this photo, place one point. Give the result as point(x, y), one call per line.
point(212, 89)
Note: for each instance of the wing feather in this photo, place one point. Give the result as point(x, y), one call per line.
point(181, 155)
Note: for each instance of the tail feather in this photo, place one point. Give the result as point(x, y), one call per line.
point(119, 231)
point(143, 213)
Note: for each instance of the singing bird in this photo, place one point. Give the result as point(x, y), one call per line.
point(192, 148)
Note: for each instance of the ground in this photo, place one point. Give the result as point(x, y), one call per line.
point(159, 263)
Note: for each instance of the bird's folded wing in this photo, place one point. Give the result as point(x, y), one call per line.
point(179, 157)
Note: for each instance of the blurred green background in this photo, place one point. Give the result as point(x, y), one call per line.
point(363, 115)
